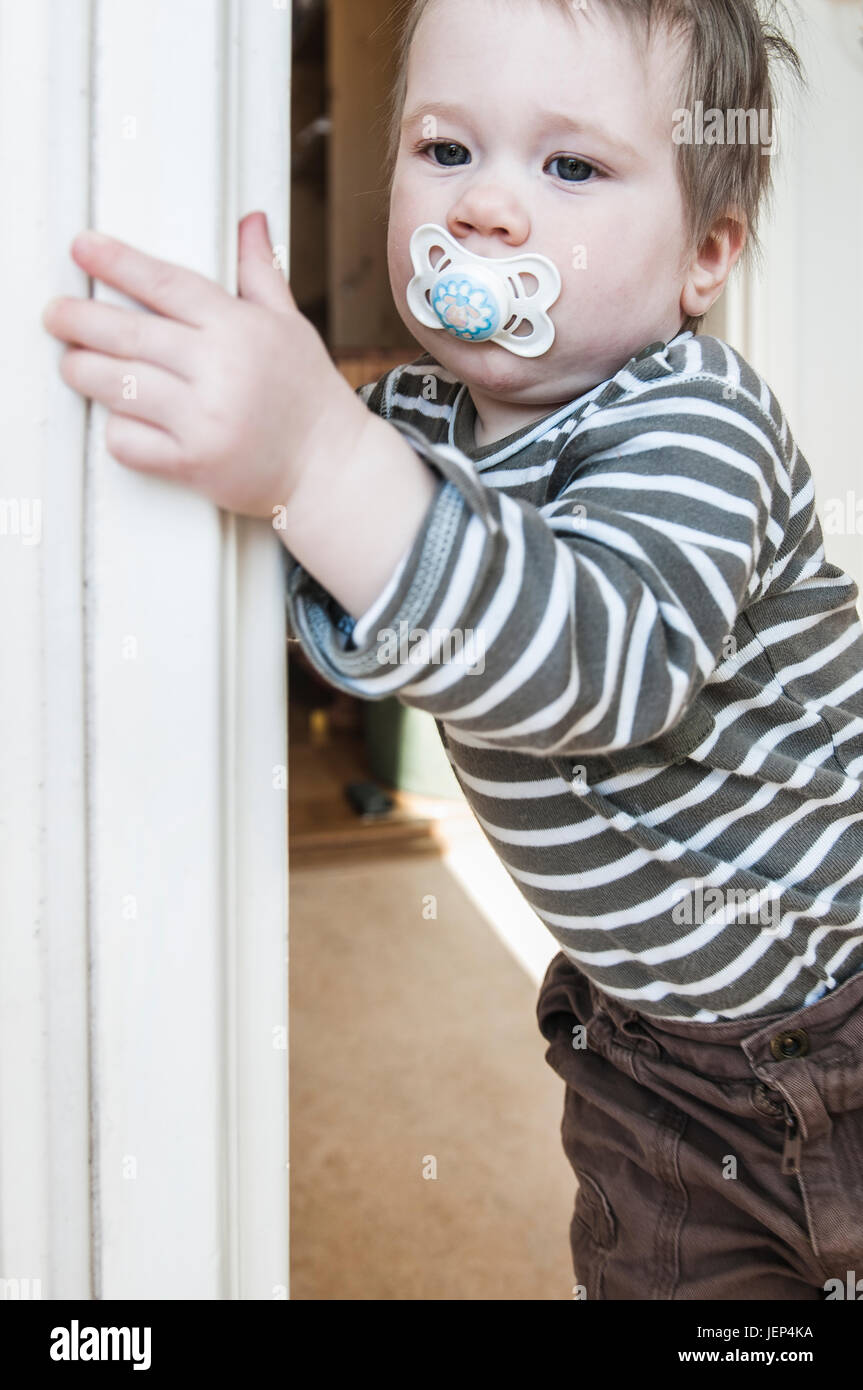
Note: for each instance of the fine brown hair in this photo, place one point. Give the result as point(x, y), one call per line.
point(731, 51)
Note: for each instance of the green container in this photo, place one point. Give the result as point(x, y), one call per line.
point(405, 751)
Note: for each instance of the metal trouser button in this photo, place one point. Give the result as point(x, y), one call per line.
point(794, 1043)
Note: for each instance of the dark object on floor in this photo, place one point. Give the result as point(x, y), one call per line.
point(368, 800)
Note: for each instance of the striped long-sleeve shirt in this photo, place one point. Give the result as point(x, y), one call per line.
point(647, 676)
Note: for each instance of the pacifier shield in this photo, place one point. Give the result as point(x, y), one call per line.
point(481, 298)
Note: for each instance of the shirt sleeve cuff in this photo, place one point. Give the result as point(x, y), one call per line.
point(347, 652)
point(359, 634)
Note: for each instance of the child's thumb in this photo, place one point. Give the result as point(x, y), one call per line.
point(259, 277)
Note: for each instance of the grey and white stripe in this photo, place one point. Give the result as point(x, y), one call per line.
point(670, 701)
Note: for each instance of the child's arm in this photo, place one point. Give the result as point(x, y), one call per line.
point(359, 502)
point(600, 616)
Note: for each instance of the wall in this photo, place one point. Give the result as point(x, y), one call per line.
point(798, 321)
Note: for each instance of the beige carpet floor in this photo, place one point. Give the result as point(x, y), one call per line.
point(414, 1051)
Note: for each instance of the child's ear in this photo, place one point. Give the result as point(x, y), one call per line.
point(712, 264)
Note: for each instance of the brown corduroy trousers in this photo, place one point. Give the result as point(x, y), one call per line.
point(714, 1161)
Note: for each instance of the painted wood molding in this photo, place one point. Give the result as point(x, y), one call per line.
point(143, 900)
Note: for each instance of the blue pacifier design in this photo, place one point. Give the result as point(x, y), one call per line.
point(482, 299)
point(466, 305)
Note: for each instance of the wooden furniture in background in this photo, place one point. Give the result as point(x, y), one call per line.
point(360, 68)
point(358, 368)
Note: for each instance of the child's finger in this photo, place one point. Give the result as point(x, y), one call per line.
point(143, 447)
point(131, 333)
point(259, 279)
point(172, 290)
point(129, 388)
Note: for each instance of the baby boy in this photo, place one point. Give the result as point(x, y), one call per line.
point(597, 526)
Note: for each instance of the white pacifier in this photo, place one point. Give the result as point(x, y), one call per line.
point(481, 299)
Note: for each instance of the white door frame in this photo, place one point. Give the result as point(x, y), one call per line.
point(143, 892)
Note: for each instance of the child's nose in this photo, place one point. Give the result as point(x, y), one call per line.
point(490, 213)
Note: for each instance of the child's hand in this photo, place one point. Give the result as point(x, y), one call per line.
point(224, 394)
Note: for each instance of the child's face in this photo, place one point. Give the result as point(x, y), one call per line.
point(617, 236)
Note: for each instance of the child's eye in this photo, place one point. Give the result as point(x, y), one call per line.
point(446, 152)
point(572, 170)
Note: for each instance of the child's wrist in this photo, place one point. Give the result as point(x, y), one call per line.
point(355, 507)
point(320, 473)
